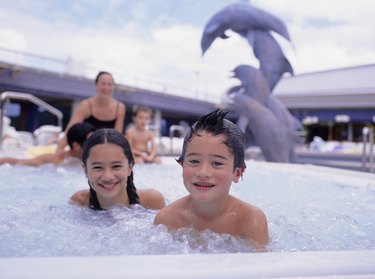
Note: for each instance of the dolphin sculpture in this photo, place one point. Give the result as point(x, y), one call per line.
point(264, 126)
point(240, 18)
point(264, 119)
point(253, 84)
point(272, 61)
point(254, 25)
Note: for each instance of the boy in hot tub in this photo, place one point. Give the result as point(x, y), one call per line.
point(212, 158)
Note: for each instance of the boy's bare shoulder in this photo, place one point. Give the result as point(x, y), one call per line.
point(248, 211)
point(172, 214)
point(130, 131)
point(252, 223)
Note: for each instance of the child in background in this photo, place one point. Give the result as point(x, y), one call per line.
point(76, 136)
point(212, 158)
point(142, 140)
point(108, 165)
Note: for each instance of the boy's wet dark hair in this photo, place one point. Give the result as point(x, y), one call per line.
point(216, 124)
point(113, 137)
point(78, 133)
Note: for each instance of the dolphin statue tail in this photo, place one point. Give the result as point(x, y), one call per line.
point(272, 61)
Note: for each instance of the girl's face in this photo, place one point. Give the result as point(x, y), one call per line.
point(208, 168)
point(107, 170)
point(105, 84)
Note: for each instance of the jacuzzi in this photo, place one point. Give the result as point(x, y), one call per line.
point(321, 223)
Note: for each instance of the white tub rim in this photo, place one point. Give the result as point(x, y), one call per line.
point(241, 265)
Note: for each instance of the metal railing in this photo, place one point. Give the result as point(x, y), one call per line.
point(73, 67)
point(27, 97)
point(368, 155)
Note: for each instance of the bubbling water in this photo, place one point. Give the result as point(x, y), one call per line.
point(304, 212)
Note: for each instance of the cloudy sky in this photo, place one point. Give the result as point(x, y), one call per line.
point(156, 43)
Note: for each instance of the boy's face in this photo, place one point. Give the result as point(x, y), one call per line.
point(208, 167)
point(142, 119)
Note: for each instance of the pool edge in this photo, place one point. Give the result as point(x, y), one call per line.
point(241, 265)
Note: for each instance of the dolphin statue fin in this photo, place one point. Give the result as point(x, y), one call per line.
point(224, 36)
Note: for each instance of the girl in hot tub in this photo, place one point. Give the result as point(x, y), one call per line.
point(108, 164)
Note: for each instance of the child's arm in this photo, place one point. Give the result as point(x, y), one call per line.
point(154, 148)
point(33, 162)
point(120, 117)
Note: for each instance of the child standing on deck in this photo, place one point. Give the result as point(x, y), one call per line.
point(141, 139)
point(212, 158)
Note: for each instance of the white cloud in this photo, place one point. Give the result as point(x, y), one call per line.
point(325, 35)
point(12, 39)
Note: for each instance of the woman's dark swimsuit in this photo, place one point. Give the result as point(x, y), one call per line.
point(100, 123)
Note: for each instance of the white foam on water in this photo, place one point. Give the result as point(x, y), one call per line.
point(306, 212)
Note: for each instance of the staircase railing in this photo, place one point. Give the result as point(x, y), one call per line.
point(27, 97)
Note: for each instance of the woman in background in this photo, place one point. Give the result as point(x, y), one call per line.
point(101, 110)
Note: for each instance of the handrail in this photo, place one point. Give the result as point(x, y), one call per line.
point(368, 137)
point(28, 97)
point(44, 63)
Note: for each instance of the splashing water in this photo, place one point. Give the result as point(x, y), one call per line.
point(304, 212)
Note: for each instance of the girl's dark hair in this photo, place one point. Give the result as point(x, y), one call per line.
point(113, 137)
point(216, 124)
point(103, 73)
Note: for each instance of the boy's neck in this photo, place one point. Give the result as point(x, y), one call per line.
point(209, 210)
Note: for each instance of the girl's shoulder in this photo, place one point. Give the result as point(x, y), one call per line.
point(151, 199)
point(80, 198)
